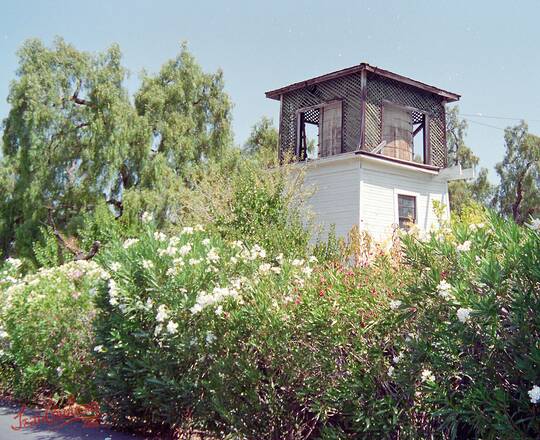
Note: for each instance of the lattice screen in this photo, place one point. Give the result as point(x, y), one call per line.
point(346, 88)
point(379, 89)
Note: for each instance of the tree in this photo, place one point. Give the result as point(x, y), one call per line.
point(67, 133)
point(518, 194)
point(264, 137)
point(73, 139)
point(464, 192)
point(188, 112)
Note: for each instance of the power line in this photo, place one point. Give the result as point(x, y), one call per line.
point(485, 125)
point(481, 115)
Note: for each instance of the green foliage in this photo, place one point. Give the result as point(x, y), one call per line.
point(464, 192)
point(263, 140)
point(73, 139)
point(518, 194)
point(188, 111)
point(262, 210)
point(197, 331)
point(66, 135)
point(46, 333)
point(470, 324)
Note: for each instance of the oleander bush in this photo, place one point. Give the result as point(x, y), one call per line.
point(431, 335)
point(467, 361)
point(46, 336)
point(197, 332)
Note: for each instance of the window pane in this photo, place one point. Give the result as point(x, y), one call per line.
point(406, 210)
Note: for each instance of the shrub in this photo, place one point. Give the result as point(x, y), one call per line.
point(46, 332)
point(198, 332)
point(470, 331)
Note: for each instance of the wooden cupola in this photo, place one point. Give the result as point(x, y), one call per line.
point(367, 110)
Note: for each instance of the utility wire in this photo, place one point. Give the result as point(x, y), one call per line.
point(480, 115)
point(485, 125)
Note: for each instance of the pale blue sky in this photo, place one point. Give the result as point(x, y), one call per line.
point(487, 51)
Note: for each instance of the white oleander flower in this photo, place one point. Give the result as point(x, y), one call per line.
point(160, 236)
point(172, 327)
point(170, 251)
point(534, 394)
point(14, 262)
point(534, 224)
point(464, 247)
point(219, 310)
point(206, 241)
point(147, 217)
point(395, 304)
point(427, 376)
point(188, 230)
point(130, 242)
point(444, 289)
point(307, 271)
point(184, 250)
point(210, 337)
point(238, 244)
point(99, 349)
point(212, 256)
point(397, 358)
point(196, 308)
point(162, 313)
point(147, 264)
point(264, 268)
point(463, 314)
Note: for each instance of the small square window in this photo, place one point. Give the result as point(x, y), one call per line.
point(406, 211)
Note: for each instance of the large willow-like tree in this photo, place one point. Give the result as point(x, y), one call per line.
point(73, 139)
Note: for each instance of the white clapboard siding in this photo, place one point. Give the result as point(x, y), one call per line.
point(336, 192)
point(350, 190)
point(380, 186)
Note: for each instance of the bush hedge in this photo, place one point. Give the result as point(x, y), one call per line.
point(197, 331)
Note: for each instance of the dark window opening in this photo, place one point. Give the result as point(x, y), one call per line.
point(309, 133)
point(405, 132)
point(320, 131)
point(406, 211)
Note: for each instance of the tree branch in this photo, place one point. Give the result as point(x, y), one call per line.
point(77, 252)
point(519, 195)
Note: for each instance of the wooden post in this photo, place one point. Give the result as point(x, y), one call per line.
point(363, 96)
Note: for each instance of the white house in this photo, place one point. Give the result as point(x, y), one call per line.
point(373, 146)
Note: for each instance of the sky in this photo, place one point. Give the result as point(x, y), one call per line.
point(486, 51)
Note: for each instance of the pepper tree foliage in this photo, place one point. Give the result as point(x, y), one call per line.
point(518, 194)
point(73, 139)
point(464, 192)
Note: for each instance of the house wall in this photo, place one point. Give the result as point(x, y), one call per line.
point(380, 185)
point(335, 189)
point(353, 190)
